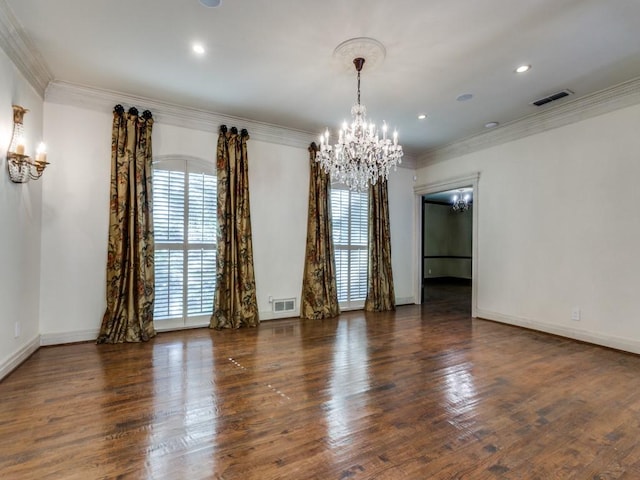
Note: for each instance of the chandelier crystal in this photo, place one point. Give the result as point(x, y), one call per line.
point(360, 157)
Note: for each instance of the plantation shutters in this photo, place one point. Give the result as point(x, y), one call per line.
point(349, 221)
point(185, 224)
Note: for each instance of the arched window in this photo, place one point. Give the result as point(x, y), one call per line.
point(185, 229)
point(350, 223)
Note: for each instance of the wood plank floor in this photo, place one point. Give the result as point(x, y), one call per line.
point(424, 393)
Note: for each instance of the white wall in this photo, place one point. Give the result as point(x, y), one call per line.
point(279, 189)
point(75, 218)
point(20, 212)
point(558, 228)
point(402, 220)
point(75, 222)
point(447, 233)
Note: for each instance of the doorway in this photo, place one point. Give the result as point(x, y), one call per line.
point(450, 263)
point(447, 246)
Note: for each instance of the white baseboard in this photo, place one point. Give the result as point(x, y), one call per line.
point(596, 338)
point(160, 329)
point(405, 301)
point(269, 315)
point(68, 337)
point(12, 362)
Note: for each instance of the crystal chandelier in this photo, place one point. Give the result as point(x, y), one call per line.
point(360, 157)
point(461, 202)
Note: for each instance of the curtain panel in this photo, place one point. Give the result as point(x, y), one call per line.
point(235, 303)
point(380, 292)
point(319, 298)
point(130, 256)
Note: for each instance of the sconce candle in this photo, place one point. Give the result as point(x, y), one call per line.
point(21, 167)
point(41, 154)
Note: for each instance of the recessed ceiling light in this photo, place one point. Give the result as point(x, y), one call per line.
point(523, 68)
point(210, 3)
point(491, 124)
point(464, 97)
point(198, 48)
point(422, 116)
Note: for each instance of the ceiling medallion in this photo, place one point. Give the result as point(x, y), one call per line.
point(361, 47)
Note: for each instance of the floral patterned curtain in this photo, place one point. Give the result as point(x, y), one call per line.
point(130, 272)
point(319, 297)
point(380, 293)
point(234, 304)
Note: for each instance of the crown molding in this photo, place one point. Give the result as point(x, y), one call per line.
point(171, 114)
point(91, 98)
point(22, 52)
point(620, 96)
point(408, 161)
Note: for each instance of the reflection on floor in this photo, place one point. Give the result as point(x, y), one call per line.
point(425, 392)
point(447, 290)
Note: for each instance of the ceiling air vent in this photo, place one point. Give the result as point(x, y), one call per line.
point(552, 98)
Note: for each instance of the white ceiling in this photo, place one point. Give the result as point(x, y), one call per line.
point(271, 61)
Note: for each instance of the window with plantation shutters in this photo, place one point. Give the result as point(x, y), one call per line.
point(349, 222)
point(185, 224)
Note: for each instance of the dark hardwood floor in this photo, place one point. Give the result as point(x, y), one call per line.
point(422, 393)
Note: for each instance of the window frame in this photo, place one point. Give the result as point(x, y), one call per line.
point(352, 302)
point(186, 164)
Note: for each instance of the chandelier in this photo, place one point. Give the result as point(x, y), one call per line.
point(360, 157)
point(461, 202)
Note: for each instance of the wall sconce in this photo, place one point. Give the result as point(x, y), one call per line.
point(21, 167)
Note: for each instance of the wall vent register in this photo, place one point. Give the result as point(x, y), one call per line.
point(284, 305)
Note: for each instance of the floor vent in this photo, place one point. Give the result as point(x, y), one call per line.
point(284, 305)
point(552, 98)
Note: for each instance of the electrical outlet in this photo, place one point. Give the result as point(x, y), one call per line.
point(429, 271)
point(16, 330)
point(575, 314)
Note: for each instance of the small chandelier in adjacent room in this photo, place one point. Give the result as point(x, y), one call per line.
point(361, 156)
point(461, 202)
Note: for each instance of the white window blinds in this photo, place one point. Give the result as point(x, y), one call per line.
point(185, 227)
point(349, 221)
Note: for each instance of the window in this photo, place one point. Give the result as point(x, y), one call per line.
point(185, 224)
point(349, 221)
